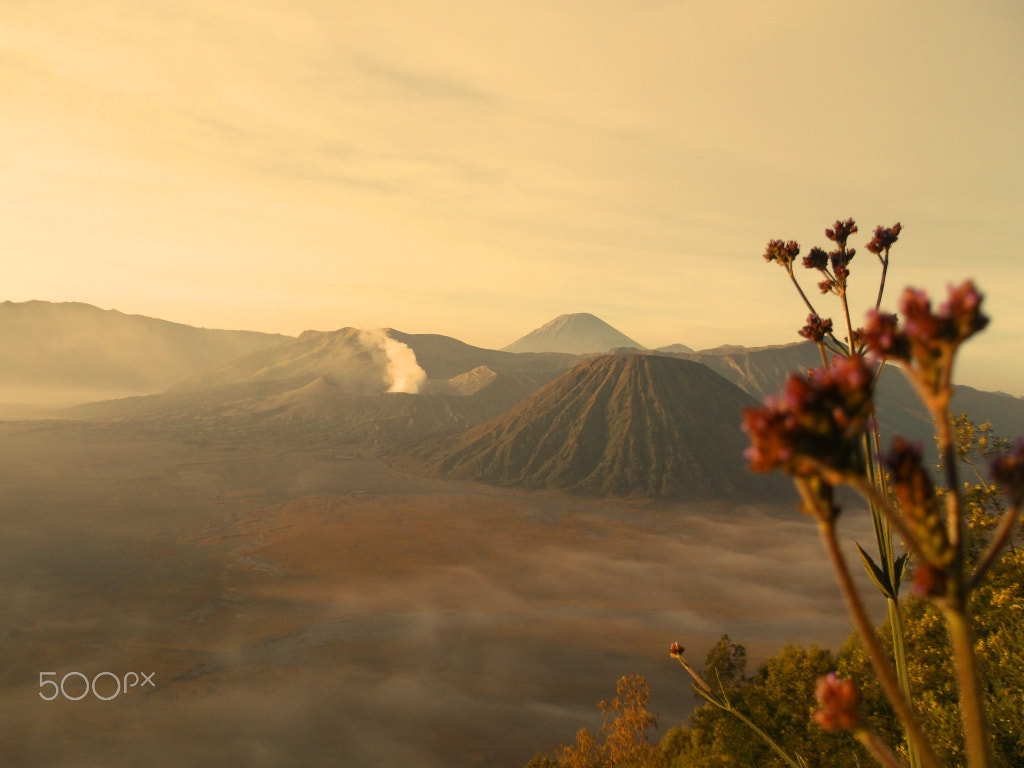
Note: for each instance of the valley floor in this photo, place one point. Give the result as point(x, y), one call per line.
point(312, 606)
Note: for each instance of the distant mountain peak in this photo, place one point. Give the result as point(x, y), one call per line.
point(579, 333)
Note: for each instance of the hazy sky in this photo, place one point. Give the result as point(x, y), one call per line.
point(477, 168)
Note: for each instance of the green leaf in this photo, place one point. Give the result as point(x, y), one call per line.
point(899, 568)
point(878, 576)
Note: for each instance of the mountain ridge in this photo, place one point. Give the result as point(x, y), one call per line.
point(72, 348)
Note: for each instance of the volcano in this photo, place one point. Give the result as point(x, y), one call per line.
point(622, 425)
point(576, 334)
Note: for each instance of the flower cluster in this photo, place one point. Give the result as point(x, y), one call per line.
point(834, 266)
point(838, 699)
point(927, 339)
point(817, 258)
point(841, 231)
point(815, 424)
point(884, 239)
point(817, 328)
point(784, 253)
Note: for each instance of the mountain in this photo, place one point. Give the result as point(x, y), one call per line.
point(764, 371)
point(346, 356)
point(71, 352)
point(617, 424)
point(676, 349)
point(576, 334)
point(334, 385)
point(360, 362)
point(759, 371)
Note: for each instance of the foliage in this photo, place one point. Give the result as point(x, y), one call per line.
point(779, 698)
point(624, 739)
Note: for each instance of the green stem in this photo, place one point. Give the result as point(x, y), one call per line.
point(883, 537)
point(899, 654)
point(883, 668)
point(725, 705)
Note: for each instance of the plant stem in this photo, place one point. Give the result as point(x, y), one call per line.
point(725, 705)
point(954, 605)
point(883, 668)
point(899, 653)
point(969, 680)
point(883, 537)
point(800, 290)
point(878, 748)
point(881, 282)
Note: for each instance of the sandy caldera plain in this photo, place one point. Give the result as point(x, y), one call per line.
point(308, 606)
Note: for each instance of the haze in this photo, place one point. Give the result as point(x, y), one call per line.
point(464, 169)
point(310, 538)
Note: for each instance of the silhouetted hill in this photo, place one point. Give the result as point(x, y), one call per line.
point(69, 351)
point(576, 334)
point(617, 424)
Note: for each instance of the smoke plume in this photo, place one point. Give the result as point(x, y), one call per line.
point(403, 372)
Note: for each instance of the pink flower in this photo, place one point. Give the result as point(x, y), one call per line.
point(816, 421)
point(927, 339)
point(883, 336)
point(838, 700)
point(963, 311)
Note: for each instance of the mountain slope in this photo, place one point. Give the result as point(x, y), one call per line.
point(759, 371)
point(356, 359)
point(333, 385)
point(619, 425)
point(576, 334)
point(764, 371)
point(60, 350)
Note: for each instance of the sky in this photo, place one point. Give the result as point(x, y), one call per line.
point(477, 168)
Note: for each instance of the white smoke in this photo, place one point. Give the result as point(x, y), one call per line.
point(403, 372)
